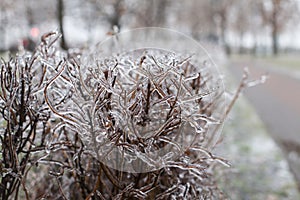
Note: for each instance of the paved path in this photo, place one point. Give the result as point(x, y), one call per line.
point(277, 101)
point(278, 104)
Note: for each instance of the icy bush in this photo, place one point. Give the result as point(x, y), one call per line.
point(139, 110)
point(135, 125)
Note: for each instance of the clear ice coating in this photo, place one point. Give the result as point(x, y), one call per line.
point(142, 98)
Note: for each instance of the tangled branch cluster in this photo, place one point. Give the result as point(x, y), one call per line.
point(133, 126)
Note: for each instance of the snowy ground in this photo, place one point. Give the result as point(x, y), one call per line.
point(258, 170)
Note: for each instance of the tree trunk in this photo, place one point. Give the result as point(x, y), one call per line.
point(115, 19)
point(60, 9)
point(29, 15)
point(160, 16)
point(254, 48)
point(241, 46)
point(275, 40)
point(3, 25)
point(223, 34)
point(274, 24)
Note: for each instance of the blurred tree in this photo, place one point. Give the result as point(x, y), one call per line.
point(119, 13)
point(277, 14)
point(208, 18)
point(221, 9)
point(115, 17)
point(29, 13)
point(150, 12)
point(110, 11)
point(199, 18)
point(60, 16)
point(7, 20)
point(255, 24)
point(3, 23)
point(241, 20)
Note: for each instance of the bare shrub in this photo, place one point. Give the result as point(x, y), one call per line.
point(57, 124)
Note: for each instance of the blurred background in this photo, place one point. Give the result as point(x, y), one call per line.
point(262, 136)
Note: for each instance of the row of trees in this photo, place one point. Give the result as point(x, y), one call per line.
point(217, 20)
point(220, 19)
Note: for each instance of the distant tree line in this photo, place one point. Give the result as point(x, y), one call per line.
point(215, 20)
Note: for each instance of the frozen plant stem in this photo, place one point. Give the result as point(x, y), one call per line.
point(131, 126)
